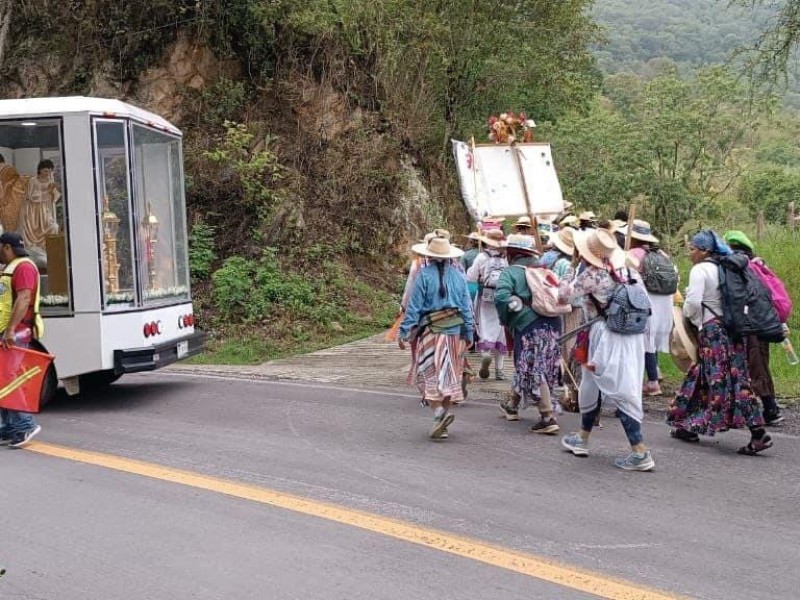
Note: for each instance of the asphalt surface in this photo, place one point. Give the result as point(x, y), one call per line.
point(707, 523)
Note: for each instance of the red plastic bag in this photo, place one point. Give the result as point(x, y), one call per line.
point(22, 374)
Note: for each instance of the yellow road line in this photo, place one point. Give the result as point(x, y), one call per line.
point(525, 564)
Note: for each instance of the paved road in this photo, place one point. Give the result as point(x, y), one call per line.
point(707, 524)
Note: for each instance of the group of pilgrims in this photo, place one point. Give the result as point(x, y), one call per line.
point(457, 302)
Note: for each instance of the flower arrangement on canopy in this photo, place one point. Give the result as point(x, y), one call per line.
point(509, 127)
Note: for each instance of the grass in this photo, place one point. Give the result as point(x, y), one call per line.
point(283, 312)
point(780, 248)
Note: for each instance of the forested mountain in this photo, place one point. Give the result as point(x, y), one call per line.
point(641, 35)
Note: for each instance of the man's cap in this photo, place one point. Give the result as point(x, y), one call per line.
point(16, 242)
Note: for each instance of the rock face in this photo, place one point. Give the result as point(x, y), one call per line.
point(186, 64)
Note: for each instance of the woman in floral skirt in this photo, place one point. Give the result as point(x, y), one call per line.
point(716, 393)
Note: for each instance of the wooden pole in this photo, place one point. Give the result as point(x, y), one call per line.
point(631, 217)
point(475, 180)
point(534, 221)
point(792, 218)
point(760, 226)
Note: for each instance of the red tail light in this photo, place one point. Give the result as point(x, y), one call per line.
point(147, 332)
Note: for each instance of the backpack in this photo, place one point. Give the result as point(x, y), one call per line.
point(495, 265)
point(659, 274)
point(780, 297)
point(629, 308)
point(543, 286)
point(746, 305)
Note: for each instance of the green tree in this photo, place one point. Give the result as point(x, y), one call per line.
point(670, 142)
point(770, 189)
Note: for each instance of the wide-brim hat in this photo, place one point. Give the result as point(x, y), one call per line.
point(437, 247)
point(568, 221)
point(563, 241)
point(640, 230)
point(523, 222)
point(683, 343)
point(493, 238)
point(599, 248)
point(521, 243)
point(587, 215)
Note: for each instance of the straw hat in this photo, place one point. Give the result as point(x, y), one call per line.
point(587, 216)
point(640, 230)
point(568, 221)
point(682, 341)
point(523, 222)
point(521, 243)
point(493, 238)
point(599, 248)
point(563, 241)
point(618, 224)
point(437, 247)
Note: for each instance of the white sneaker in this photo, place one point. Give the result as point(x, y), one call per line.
point(29, 435)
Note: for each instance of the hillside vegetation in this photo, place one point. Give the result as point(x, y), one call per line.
point(316, 132)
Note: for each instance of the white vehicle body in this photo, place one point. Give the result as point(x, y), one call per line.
point(115, 276)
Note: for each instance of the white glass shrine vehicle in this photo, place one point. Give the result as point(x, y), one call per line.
point(115, 289)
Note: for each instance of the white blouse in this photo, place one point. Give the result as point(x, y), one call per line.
point(703, 289)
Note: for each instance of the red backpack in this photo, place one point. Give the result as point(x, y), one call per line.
point(780, 297)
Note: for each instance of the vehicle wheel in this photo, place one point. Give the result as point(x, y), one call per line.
point(49, 386)
point(50, 383)
point(98, 380)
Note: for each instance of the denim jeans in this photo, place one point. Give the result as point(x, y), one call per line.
point(651, 365)
point(15, 423)
point(632, 427)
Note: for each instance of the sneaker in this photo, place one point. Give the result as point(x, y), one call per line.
point(575, 444)
point(483, 373)
point(26, 438)
point(440, 425)
point(444, 435)
point(499, 375)
point(5, 440)
point(511, 414)
point(773, 418)
point(636, 462)
point(546, 426)
point(651, 388)
point(684, 435)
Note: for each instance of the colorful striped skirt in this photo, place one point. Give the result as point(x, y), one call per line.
point(716, 394)
point(437, 366)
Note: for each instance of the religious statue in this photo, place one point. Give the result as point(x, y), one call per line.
point(37, 217)
point(12, 194)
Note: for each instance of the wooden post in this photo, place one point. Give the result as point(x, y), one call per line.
point(534, 220)
point(760, 226)
point(792, 218)
point(631, 217)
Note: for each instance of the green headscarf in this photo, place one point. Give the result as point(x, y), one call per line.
point(740, 239)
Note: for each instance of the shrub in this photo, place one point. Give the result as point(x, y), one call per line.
point(202, 253)
point(246, 290)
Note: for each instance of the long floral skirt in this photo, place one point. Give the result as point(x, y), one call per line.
point(437, 366)
point(538, 356)
point(716, 393)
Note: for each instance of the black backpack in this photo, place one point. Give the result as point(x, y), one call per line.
point(659, 274)
point(747, 307)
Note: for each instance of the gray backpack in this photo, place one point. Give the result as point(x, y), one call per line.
point(659, 274)
point(629, 308)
